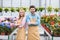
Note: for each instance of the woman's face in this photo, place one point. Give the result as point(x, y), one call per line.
point(22, 12)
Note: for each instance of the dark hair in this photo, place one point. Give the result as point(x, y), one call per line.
point(32, 6)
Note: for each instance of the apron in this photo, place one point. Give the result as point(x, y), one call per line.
point(33, 33)
point(20, 33)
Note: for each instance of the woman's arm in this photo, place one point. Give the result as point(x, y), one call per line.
point(23, 22)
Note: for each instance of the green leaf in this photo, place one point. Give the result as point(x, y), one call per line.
point(49, 9)
point(6, 9)
point(17, 9)
point(56, 9)
point(12, 9)
point(41, 9)
point(1, 9)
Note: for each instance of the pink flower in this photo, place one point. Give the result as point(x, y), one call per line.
point(12, 24)
point(2, 19)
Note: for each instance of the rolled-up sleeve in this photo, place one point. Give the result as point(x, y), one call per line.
point(27, 19)
point(38, 20)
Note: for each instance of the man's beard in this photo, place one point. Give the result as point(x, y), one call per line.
point(32, 12)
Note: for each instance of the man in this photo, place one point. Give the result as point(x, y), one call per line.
point(33, 21)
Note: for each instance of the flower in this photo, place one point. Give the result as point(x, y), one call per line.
point(12, 24)
point(8, 26)
point(3, 24)
point(2, 19)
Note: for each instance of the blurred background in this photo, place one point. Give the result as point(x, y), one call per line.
point(10, 9)
point(26, 3)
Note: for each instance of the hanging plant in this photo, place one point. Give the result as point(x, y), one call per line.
point(56, 10)
point(24, 9)
point(49, 9)
point(20, 8)
point(1, 9)
point(37, 9)
point(12, 9)
point(6, 10)
point(17, 9)
point(41, 9)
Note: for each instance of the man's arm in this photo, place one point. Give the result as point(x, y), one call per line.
point(38, 20)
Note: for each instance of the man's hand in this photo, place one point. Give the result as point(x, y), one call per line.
point(31, 23)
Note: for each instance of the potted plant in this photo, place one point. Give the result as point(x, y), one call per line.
point(49, 9)
point(2, 31)
point(1, 9)
point(25, 9)
point(37, 9)
point(17, 9)
point(7, 30)
point(41, 9)
point(56, 32)
point(56, 9)
point(12, 10)
point(6, 10)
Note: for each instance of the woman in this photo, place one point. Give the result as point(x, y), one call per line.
point(21, 25)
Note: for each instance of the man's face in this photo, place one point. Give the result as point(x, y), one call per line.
point(32, 10)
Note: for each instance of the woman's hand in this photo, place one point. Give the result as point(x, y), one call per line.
point(19, 26)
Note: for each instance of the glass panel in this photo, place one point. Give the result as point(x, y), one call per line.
point(25, 3)
point(6, 3)
point(15, 3)
point(35, 2)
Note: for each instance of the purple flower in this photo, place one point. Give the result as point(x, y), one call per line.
point(3, 24)
point(8, 26)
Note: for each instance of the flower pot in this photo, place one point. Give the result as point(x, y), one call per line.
point(2, 33)
point(59, 34)
point(55, 34)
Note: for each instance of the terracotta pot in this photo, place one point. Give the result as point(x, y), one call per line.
point(59, 34)
point(55, 34)
point(2, 33)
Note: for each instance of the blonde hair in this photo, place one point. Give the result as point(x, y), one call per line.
point(21, 10)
